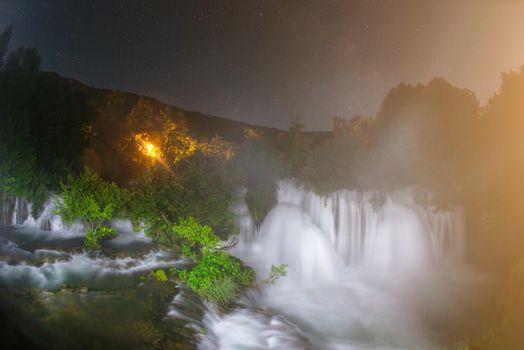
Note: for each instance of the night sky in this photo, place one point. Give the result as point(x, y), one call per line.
point(266, 62)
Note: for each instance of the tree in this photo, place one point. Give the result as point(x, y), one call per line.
point(426, 134)
point(19, 177)
point(215, 275)
point(500, 174)
point(41, 115)
point(176, 142)
point(92, 201)
point(199, 186)
point(5, 38)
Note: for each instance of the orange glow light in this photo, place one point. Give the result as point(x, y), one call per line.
point(151, 150)
point(145, 147)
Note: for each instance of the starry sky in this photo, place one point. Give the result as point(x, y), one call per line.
point(267, 62)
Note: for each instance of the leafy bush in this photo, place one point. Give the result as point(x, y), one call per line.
point(196, 238)
point(188, 207)
point(160, 275)
point(217, 277)
point(198, 186)
point(96, 235)
point(40, 124)
point(221, 291)
point(89, 199)
point(19, 177)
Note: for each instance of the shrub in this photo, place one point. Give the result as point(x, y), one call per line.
point(160, 275)
point(198, 186)
point(92, 201)
point(96, 235)
point(217, 277)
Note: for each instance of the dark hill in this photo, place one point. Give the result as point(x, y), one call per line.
point(201, 125)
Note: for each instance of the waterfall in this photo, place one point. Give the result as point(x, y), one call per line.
point(48, 220)
point(359, 264)
point(18, 211)
point(386, 231)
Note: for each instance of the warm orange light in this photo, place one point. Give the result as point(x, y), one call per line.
point(145, 147)
point(151, 150)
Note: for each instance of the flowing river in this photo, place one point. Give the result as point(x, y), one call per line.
point(366, 270)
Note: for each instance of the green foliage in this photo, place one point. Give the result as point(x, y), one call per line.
point(93, 201)
point(221, 291)
point(96, 235)
point(199, 187)
point(195, 235)
point(160, 275)
point(88, 198)
point(19, 177)
point(277, 271)
point(217, 277)
point(39, 125)
point(188, 207)
point(17, 171)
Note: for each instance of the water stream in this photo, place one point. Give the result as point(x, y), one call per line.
point(366, 270)
point(56, 295)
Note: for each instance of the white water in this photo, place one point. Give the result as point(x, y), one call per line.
point(362, 270)
point(50, 268)
point(49, 222)
point(82, 269)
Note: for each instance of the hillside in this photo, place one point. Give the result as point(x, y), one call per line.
point(107, 123)
point(202, 125)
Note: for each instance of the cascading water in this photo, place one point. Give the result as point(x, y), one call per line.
point(49, 221)
point(14, 210)
point(20, 210)
point(362, 268)
point(57, 295)
point(358, 263)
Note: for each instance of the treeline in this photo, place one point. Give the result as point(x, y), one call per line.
point(425, 134)
point(40, 125)
point(51, 126)
point(438, 136)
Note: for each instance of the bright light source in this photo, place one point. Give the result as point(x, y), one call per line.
point(146, 147)
point(151, 150)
